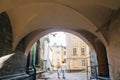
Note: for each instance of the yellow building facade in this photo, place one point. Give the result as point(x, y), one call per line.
point(58, 53)
point(78, 58)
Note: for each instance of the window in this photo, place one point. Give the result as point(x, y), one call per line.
point(82, 51)
point(65, 60)
point(64, 52)
point(74, 40)
point(74, 51)
point(83, 63)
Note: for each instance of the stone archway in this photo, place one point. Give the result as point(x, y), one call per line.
point(22, 13)
point(33, 17)
point(90, 39)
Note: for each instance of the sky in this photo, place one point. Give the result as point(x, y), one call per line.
point(57, 37)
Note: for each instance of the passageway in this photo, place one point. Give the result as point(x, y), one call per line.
point(23, 22)
point(98, 69)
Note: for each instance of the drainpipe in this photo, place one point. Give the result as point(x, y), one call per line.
point(34, 72)
point(33, 64)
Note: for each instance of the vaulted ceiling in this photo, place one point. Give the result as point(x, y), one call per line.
point(27, 16)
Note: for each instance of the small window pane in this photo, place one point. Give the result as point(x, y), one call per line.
point(74, 51)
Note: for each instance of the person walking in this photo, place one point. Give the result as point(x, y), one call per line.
point(63, 67)
point(58, 70)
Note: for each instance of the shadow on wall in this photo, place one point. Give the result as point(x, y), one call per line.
point(12, 63)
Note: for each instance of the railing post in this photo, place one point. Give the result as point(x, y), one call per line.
point(34, 72)
point(33, 64)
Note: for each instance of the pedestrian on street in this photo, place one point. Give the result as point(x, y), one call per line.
point(58, 70)
point(63, 67)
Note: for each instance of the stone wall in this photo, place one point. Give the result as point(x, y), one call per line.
point(5, 35)
point(113, 49)
point(17, 62)
point(102, 59)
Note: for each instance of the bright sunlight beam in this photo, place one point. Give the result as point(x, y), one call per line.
point(4, 58)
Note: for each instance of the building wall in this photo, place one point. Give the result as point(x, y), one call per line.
point(76, 62)
point(64, 54)
point(57, 55)
point(47, 53)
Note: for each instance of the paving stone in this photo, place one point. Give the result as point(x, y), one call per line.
point(69, 76)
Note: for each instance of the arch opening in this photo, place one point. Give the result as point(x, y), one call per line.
point(94, 43)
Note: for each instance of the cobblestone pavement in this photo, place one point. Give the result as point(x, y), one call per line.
point(69, 76)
